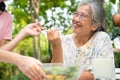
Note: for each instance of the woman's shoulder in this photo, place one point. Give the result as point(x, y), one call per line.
point(101, 34)
point(101, 37)
point(7, 14)
point(67, 38)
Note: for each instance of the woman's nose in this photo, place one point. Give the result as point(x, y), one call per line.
point(77, 18)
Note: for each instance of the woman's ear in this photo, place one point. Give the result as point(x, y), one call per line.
point(95, 26)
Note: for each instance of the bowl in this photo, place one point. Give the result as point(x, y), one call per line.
point(57, 71)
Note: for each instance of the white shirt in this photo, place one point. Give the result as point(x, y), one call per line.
point(98, 44)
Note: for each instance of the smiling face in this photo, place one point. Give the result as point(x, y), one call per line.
point(82, 21)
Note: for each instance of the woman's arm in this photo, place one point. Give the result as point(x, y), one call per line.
point(29, 66)
point(3, 42)
point(54, 38)
point(57, 56)
point(31, 29)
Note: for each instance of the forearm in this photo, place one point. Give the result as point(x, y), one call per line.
point(57, 56)
point(9, 57)
point(12, 44)
point(3, 42)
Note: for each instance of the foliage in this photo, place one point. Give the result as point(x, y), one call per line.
point(19, 76)
point(113, 1)
point(7, 71)
point(25, 47)
point(117, 59)
point(45, 53)
point(61, 17)
point(58, 16)
point(111, 29)
point(21, 13)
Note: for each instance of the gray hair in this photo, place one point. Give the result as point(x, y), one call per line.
point(97, 12)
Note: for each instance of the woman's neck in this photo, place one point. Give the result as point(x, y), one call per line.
point(80, 40)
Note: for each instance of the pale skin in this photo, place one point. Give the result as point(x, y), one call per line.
point(31, 29)
point(3, 42)
point(83, 29)
point(116, 49)
point(31, 67)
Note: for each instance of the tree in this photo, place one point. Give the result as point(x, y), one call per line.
point(30, 9)
point(34, 13)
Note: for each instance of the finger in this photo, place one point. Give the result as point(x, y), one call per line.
point(53, 33)
point(38, 30)
point(48, 34)
point(56, 34)
point(38, 23)
point(41, 27)
point(34, 74)
point(40, 72)
point(37, 27)
point(38, 62)
point(27, 73)
point(35, 32)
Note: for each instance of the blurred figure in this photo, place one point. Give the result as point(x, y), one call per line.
point(5, 24)
point(116, 42)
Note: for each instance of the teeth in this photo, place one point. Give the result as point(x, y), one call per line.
point(77, 25)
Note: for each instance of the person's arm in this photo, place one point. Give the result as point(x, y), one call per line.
point(31, 29)
point(3, 42)
point(116, 50)
point(29, 66)
point(54, 38)
point(57, 56)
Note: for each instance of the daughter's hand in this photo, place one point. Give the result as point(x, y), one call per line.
point(32, 29)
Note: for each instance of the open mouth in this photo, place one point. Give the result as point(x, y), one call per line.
point(76, 24)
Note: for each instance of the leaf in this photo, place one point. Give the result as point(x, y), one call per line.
point(113, 1)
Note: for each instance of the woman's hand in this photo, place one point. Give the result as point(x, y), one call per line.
point(54, 37)
point(32, 29)
point(86, 75)
point(31, 67)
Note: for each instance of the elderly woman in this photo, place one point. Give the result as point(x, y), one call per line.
point(87, 40)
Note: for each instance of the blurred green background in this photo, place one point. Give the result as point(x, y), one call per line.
point(51, 13)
